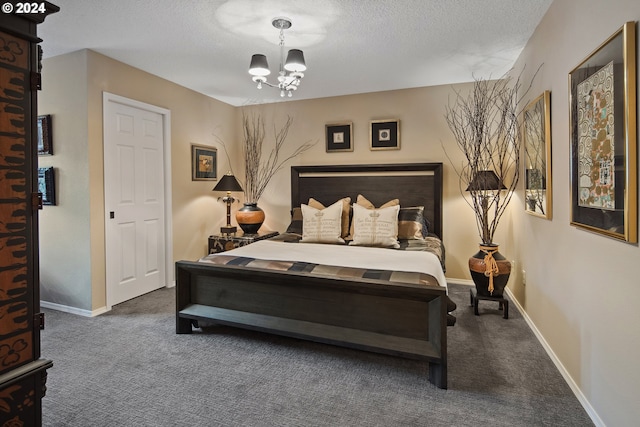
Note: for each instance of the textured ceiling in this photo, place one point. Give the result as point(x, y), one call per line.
point(350, 46)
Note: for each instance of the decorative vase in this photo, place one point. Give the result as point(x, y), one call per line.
point(250, 218)
point(490, 271)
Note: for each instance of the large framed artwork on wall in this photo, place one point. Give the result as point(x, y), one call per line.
point(603, 138)
point(536, 134)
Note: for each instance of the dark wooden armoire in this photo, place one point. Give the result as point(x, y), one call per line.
point(22, 372)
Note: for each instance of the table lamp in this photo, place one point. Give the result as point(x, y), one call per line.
point(483, 182)
point(228, 183)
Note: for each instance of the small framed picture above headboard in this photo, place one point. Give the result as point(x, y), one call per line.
point(339, 137)
point(385, 135)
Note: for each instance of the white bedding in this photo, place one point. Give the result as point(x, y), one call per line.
point(345, 256)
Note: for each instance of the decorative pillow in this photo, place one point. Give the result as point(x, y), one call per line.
point(362, 201)
point(295, 227)
point(375, 227)
point(346, 210)
point(322, 225)
point(411, 223)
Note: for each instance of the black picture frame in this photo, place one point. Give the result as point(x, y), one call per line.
point(47, 185)
point(385, 135)
point(339, 137)
point(204, 163)
point(45, 140)
point(602, 91)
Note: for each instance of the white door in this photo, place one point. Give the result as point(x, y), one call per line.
point(134, 200)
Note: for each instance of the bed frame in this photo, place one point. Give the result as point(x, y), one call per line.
point(398, 319)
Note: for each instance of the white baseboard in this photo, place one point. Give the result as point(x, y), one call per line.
point(563, 371)
point(82, 312)
point(73, 310)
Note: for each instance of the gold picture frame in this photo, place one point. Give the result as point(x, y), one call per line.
point(536, 137)
point(384, 135)
point(602, 91)
point(204, 163)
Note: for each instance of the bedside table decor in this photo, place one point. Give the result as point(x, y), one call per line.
point(228, 183)
point(226, 242)
point(250, 218)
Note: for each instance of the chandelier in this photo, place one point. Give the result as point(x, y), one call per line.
point(287, 83)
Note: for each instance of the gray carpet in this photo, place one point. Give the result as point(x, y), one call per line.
point(129, 368)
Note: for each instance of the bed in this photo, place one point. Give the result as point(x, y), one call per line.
point(405, 316)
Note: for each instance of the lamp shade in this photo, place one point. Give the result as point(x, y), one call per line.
point(259, 65)
point(486, 180)
point(295, 61)
point(227, 183)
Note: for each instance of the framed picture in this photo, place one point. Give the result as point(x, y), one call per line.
point(385, 135)
point(536, 136)
point(47, 185)
point(45, 143)
point(603, 138)
point(203, 163)
point(339, 137)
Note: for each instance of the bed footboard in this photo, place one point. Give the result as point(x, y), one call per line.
point(397, 319)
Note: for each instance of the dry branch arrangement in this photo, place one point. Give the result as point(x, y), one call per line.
point(485, 126)
point(259, 167)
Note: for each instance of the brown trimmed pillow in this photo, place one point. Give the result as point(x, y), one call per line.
point(322, 225)
point(362, 201)
point(346, 208)
point(375, 227)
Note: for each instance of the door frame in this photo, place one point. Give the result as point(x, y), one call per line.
point(168, 225)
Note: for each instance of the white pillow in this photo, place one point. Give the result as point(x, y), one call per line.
point(322, 225)
point(375, 227)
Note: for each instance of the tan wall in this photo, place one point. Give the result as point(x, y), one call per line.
point(65, 229)
point(423, 134)
point(73, 91)
point(582, 288)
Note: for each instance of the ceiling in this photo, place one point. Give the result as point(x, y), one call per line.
point(350, 46)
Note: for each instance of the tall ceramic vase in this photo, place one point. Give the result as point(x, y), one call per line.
point(250, 218)
point(490, 271)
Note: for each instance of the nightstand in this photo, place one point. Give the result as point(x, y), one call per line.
point(224, 242)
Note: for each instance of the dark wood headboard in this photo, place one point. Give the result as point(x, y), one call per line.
point(415, 184)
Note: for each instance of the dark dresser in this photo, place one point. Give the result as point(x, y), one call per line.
point(23, 372)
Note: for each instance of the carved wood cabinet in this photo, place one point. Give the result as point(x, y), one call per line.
point(22, 371)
